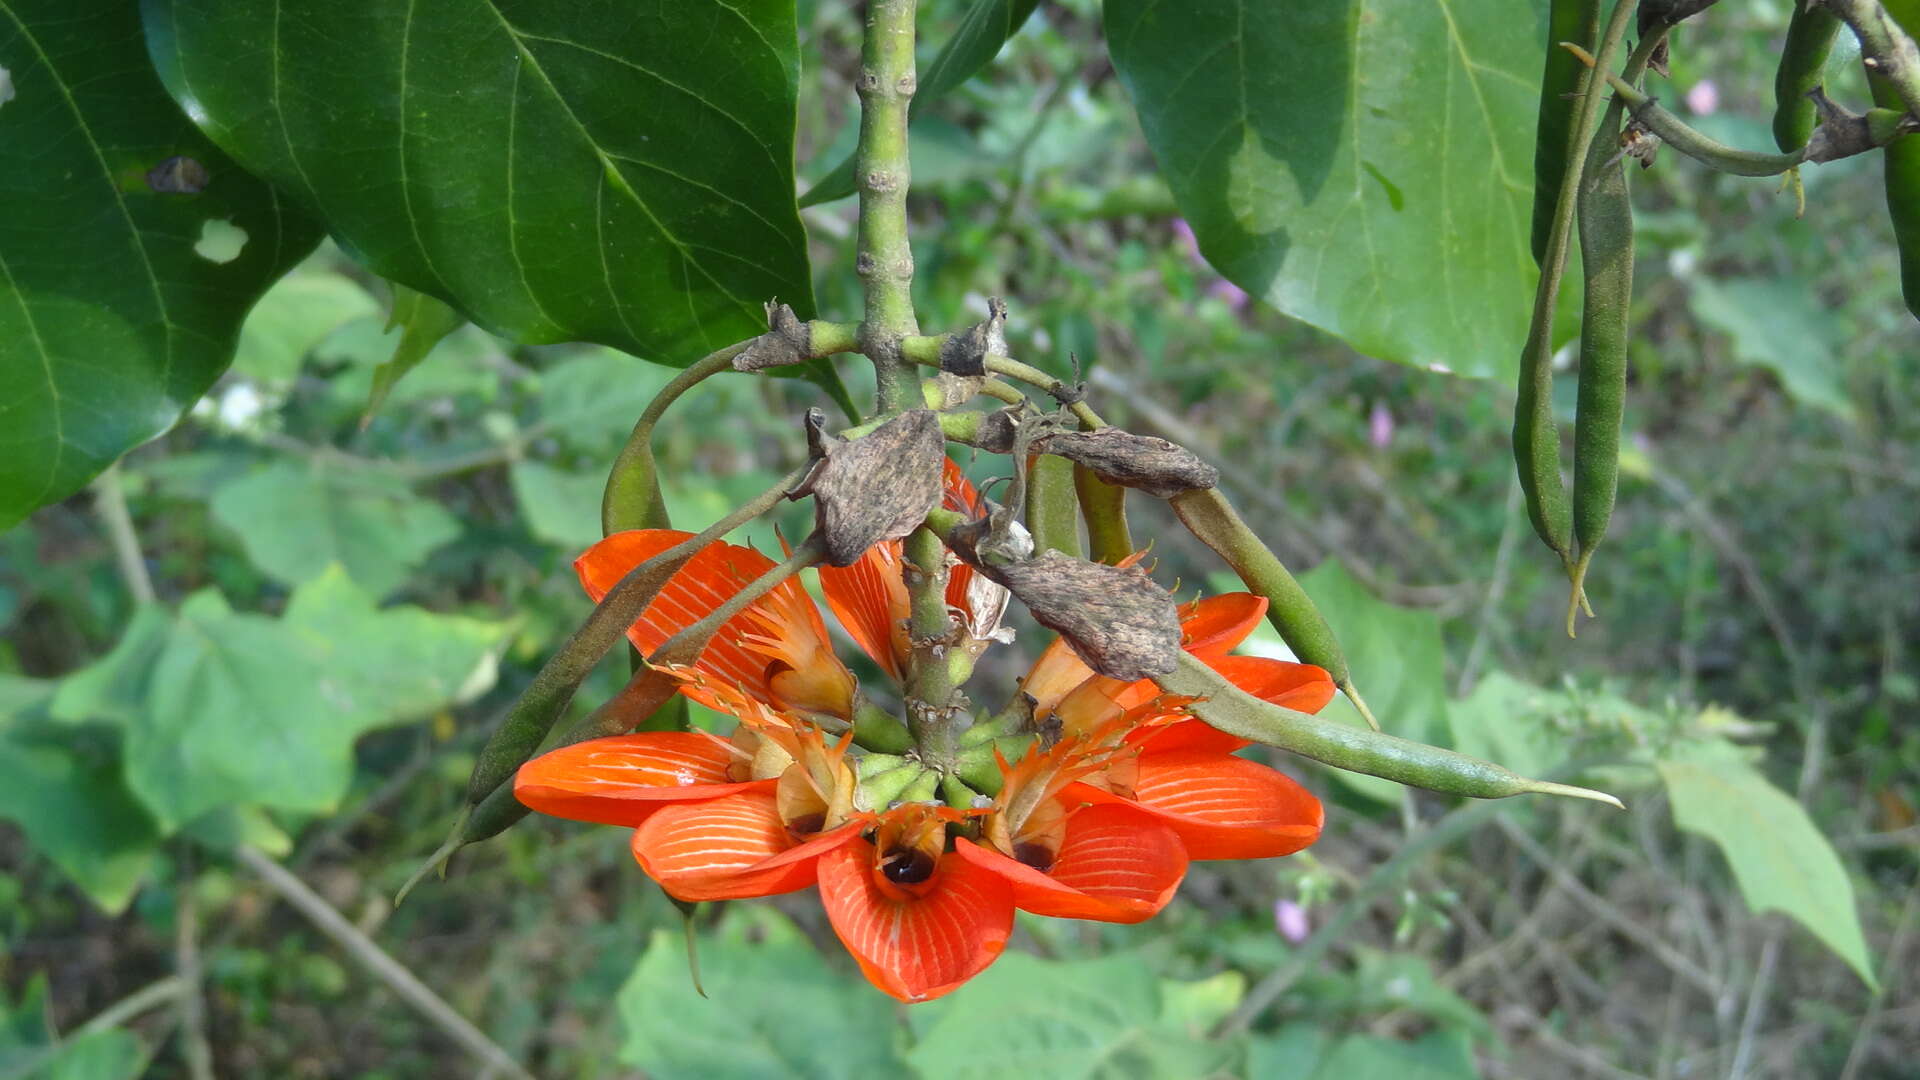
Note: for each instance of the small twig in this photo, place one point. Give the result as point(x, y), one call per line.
point(1458, 822)
point(110, 502)
point(383, 967)
point(1756, 1004)
point(1896, 950)
point(1638, 933)
point(186, 958)
point(1496, 586)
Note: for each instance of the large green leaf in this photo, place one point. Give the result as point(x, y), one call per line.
point(1398, 662)
point(1777, 324)
point(1364, 166)
point(1778, 856)
point(773, 1009)
point(298, 518)
point(1309, 1053)
point(1091, 1020)
point(224, 709)
point(986, 26)
point(70, 800)
point(110, 323)
point(603, 171)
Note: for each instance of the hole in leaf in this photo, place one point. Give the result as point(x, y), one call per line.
point(6, 86)
point(220, 241)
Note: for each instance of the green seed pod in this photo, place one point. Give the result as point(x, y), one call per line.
point(1104, 508)
point(1210, 518)
point(1053, 508)
point(1802, 61)
point(1902, 178)
point(1577, 21)
point(1403, 761)
point(1606, 260)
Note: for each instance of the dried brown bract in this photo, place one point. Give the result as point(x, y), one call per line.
point(1115, 618)
point(877, 487)
point(1152, 465)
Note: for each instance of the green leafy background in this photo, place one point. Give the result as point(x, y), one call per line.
point(346, 597)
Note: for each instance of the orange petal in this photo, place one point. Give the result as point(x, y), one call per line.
point(919, 948)
point(624, 779)
point(1221, 807)
point(1300, 687)
point(1194, 736)
point(870, 600)
point(703, 584)
point(729, 849)
point(1216, 625)
point(1117, 864)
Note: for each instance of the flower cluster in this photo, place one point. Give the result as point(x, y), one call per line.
point(1114, 787)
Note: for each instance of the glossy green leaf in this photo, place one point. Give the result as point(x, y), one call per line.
point(111, 324)
point(68, 796)
point(1067, 1021)
point(423, 322)
point(1777, 324)
point(1364, 167)
point(985, 28)
point(1778, 856)
point(610, 172)
point(296, 519)
point(1397, 658)
point(775, 1008)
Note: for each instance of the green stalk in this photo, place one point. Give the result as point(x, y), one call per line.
point(885, 258)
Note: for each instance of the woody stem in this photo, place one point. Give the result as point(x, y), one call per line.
point(931, 674)
point(885, 259)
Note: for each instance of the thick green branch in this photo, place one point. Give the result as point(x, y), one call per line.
point(1885, 48)
point(885, 259)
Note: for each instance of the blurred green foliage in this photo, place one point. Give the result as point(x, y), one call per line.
point(343, 610)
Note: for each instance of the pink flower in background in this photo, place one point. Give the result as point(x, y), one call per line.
point(1189, 242)
point(1235, 297)
point(1380, 426)
point(1291, 920)
point(1703, 98)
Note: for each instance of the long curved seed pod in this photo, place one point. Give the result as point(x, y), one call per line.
point(1211, 518)
point(1236, 712)
point(1536, 436)
point(1577, 21)
point(1809, 40)
point(1606, 260)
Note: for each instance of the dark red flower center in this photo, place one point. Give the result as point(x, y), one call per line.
point(907, 866)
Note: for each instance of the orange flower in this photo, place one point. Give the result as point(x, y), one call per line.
point(1107, 863)
point(1099, 823)
point(920, 919)
point(1181, 770)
